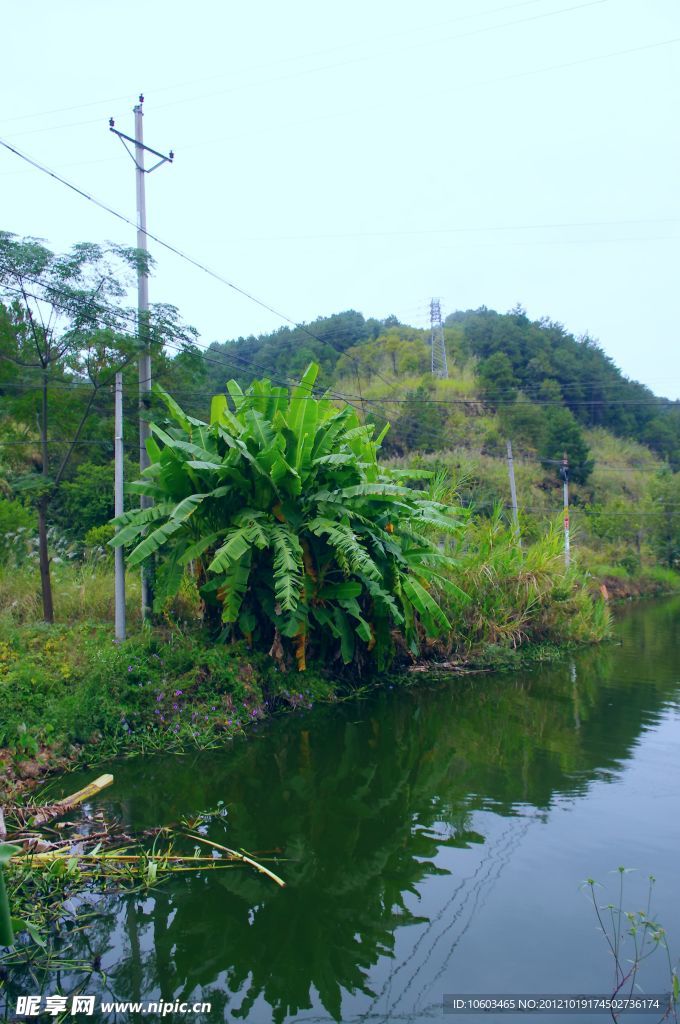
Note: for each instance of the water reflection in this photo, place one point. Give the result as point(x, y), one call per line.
point(373, 806)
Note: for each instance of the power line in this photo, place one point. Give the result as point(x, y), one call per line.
point(661, 509)
point(466, 229)
point(172, 248)
point(241, 362)
point(223, 361)
point(283, 60)
point(520, 456)
point(131, 317)
point(298, 326)
point(348, 396)
point(373, 54)
point(467, 84)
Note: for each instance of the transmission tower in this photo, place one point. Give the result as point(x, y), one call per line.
point(439, 366)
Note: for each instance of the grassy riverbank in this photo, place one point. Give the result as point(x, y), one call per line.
point(70, 692)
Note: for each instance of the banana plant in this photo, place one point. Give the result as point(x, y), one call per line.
point(291, 527)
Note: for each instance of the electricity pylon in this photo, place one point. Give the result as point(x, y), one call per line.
point(439, 365)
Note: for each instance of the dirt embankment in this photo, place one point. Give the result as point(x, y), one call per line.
point(618, 589)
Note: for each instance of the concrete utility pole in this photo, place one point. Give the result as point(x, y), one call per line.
point(142, 287)
point(142, 301)
point(119, 564)
point(513, 490)
point(564, 473)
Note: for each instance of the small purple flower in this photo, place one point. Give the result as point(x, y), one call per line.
point(175, 707)
point(178, 693)
point(129, 668)
point(213, 708)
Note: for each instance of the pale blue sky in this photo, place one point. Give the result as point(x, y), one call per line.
point(369, 155)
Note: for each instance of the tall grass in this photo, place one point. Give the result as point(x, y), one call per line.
point(515, 594)
point(83, 592)
point(521, 594)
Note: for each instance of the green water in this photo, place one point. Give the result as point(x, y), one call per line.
point(434, 838)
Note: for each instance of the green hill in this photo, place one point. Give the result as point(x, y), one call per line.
point(509, 378)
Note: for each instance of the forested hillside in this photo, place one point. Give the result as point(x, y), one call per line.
point(517, 362)
point(509, 378)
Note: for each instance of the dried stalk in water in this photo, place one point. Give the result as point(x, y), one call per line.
point(55, 810)
point(235, 855)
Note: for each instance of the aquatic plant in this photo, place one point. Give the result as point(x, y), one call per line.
point(646, 936)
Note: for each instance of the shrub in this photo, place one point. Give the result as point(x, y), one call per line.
point(17, 528)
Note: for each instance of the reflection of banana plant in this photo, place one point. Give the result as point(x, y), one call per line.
point(360, 798)
point(356, 845)
point(299, 536)
point(6, 929)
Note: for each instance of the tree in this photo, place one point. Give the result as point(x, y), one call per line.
point(498, 381)
point(563, 434)
point(664, 517)
point(86, 500)
point(64, 333)
point(298, 538)
point(421, 425)
point(523, 423)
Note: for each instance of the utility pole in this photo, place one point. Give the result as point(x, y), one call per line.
point(142, 301)
point(437, 344)
point(513, 491)
point(564, 473)
point(119, 563)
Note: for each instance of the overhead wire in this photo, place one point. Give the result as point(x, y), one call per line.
point(130, 317)
point(230, 284)
point(268, 64)
point(373, 55)
point(467, 84)
point(171, 248)
point(221, 358)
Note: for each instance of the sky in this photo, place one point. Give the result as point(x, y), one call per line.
point(367, 155)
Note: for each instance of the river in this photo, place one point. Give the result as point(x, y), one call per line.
point(434, 840)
